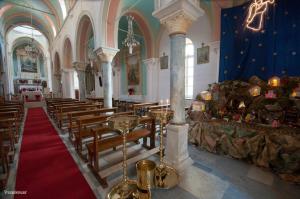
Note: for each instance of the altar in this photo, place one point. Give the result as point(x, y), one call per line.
point(30, 96)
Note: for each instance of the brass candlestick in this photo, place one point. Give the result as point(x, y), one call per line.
point(165, 176)
point(126, 188)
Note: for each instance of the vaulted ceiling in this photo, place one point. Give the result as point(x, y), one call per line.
point(44, 15)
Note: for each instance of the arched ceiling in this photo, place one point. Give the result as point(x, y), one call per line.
point(47, 15)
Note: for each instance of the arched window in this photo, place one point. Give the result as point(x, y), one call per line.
point(189, 69)
point(76, 82)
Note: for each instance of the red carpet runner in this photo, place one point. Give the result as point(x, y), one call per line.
point(46, 169)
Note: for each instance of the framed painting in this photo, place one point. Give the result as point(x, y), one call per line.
point(203, 55)
point(164, 62)
point(133, 67)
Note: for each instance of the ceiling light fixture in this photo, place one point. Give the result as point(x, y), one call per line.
point(130, 41)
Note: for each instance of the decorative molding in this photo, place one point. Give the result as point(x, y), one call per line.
point(66, 70)
point(106, 54)
point(178, 15)
point(79, 66)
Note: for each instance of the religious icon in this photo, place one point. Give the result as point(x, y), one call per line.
point(203, 54)
point(133, 70)
point(255, 14)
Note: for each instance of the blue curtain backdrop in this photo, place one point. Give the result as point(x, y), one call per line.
point(273, 51)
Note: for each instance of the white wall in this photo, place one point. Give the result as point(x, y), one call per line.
point(204, 74)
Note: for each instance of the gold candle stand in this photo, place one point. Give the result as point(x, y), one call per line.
point(126, 188)
point(165, 177)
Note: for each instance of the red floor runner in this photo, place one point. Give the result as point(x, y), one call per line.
point(46, 169)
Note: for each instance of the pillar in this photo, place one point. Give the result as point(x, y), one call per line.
point(106, 56)
point(80, 69)
point(57, 85)
point(177, 16)
point(152, 66)
point(67, 82)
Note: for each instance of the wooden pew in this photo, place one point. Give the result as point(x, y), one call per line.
point(15, 124)
point(62, 111)
point(51, 106)
point(85, 124)
point(99, 145)
point(72, 116)
point(9, 107)
point(138, 107)
point(7, 133)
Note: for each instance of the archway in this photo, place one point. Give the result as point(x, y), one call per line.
point(68, 72)
point(57, 86)
point(85, 51)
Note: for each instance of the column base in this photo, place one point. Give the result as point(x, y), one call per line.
point(177, 154)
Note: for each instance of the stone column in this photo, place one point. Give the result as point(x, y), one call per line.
point(152, 65)
point(106, 56)
point(67, 82)
point(80, 69)
point(177, 16)
point(57, 85)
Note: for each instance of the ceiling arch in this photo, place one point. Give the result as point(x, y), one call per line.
point(67, 53)
point(85, 32)
point(47, 15)
point(56, 63)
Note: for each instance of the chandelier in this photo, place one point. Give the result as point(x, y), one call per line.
point(30, 49)
point(130, 41)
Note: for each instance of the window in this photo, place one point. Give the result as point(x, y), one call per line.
point(76, 83)
point(189, 69)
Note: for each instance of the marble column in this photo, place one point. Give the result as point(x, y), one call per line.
point(177, 16)
point(106, 56)
point(152, 66)
point(57, 85)
point(80, 69)
point(67, 84)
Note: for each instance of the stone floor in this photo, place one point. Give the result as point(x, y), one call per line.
point(210, 177)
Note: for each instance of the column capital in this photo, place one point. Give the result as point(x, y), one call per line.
point(66, 70)
point(178, 15)
point(106, 54)
point(79, 66)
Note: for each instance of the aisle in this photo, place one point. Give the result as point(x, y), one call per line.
point(46, 169)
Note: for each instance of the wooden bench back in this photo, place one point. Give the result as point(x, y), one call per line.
point(85, 120)
point(91, 112)
point(81, 107)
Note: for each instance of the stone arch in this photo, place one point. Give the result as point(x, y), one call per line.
point(67, 53)
point(85, 31)
point(113, 17)
point(57, 66)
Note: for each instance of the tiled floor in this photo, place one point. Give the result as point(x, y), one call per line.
point(210, 177)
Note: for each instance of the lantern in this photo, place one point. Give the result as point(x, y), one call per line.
point(198, 106)
point(206, 95)
point(242, 105)
point(270, 94)
point(255, 91)
point(274, 81)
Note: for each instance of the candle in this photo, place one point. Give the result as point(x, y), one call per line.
point(167, 102)
point(161, 104)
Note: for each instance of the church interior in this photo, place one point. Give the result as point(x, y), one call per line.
point(141, 99)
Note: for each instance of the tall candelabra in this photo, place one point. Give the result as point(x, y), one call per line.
point(127, 188)
point(165, 175)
